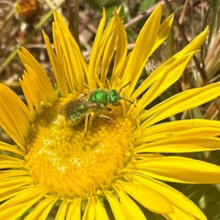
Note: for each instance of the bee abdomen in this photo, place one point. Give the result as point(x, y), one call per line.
point(74, 111)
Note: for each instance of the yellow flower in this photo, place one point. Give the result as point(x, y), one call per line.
point(55, 170)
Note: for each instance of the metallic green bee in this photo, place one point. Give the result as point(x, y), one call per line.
point(88, 105)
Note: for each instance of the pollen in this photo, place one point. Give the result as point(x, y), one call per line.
point(61, 159)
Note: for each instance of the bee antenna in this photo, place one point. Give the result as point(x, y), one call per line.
point(128, 101)
point(124, 87)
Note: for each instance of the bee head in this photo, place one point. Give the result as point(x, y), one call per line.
point(99, 97)
point(114, 97)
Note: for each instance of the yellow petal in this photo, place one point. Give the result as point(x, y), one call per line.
point(31, 94)
point(11, 148)
point(181, 127)
point(105, 53)
point(35, 90)
point(179, 136)
point(69, 55)
point(64, 58)
point(170, 75)
point(57, 70)
point(194, 45)
point(163, 32)
point(14, 116)
point(117, 82)
point(140, 53)
point(28, 60)
point(174, 196)
point(59, 19)
point(130, 207)
point(74, 210)
point(10, 162)
point(149, 198)
point(89, 213)
point(100, 212)
point(4, 174)
point(15, 181)
point(16, 206)
point(179, 214)
point(116, 207)
point(42, 210)
point(93, 64)
point(121, 48)
point(61, 213)
point(180, 169)
point(107, 57)
point(179, 144)
point(12, 186)
point(63, 81)
point(35, 84)
point(11, 192)
point(182, 101)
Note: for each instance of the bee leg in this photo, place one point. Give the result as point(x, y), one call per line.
point(108, 109)
point(121, 109)
point(86, 125)
point(102, 116)
point(88, 122)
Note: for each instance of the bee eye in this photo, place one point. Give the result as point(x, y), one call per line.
point(114, 97)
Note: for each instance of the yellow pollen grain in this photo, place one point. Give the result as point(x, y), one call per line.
point(69, 165)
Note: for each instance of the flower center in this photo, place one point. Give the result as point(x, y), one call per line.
point(61, 159)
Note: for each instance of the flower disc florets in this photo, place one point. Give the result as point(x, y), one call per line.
point(69, 164)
